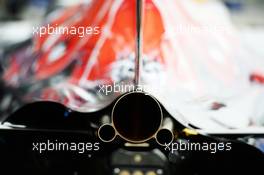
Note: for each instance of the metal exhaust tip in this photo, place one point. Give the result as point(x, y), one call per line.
point(137, 117)
point(107, 133)
point(164, 137)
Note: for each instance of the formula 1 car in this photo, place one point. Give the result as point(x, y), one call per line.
point(131, 87)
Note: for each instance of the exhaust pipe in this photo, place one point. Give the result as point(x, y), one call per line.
point(107, 133)
point(137, 117)
point(165, 134)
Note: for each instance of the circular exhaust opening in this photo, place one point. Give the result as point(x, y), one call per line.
point(106, 133)
point(164, 136)
point(137, 117)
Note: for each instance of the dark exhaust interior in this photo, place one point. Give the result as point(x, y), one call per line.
point(164, 136)
point(106, 133)
point(137, 117)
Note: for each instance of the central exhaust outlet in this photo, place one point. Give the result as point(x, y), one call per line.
point(137, 117)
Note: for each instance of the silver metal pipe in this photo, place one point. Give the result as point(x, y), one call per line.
point(106, 133)
point(165, 134)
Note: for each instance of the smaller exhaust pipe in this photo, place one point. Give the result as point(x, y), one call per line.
point(107, 133)
point(164, 137)
point(165, 134)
